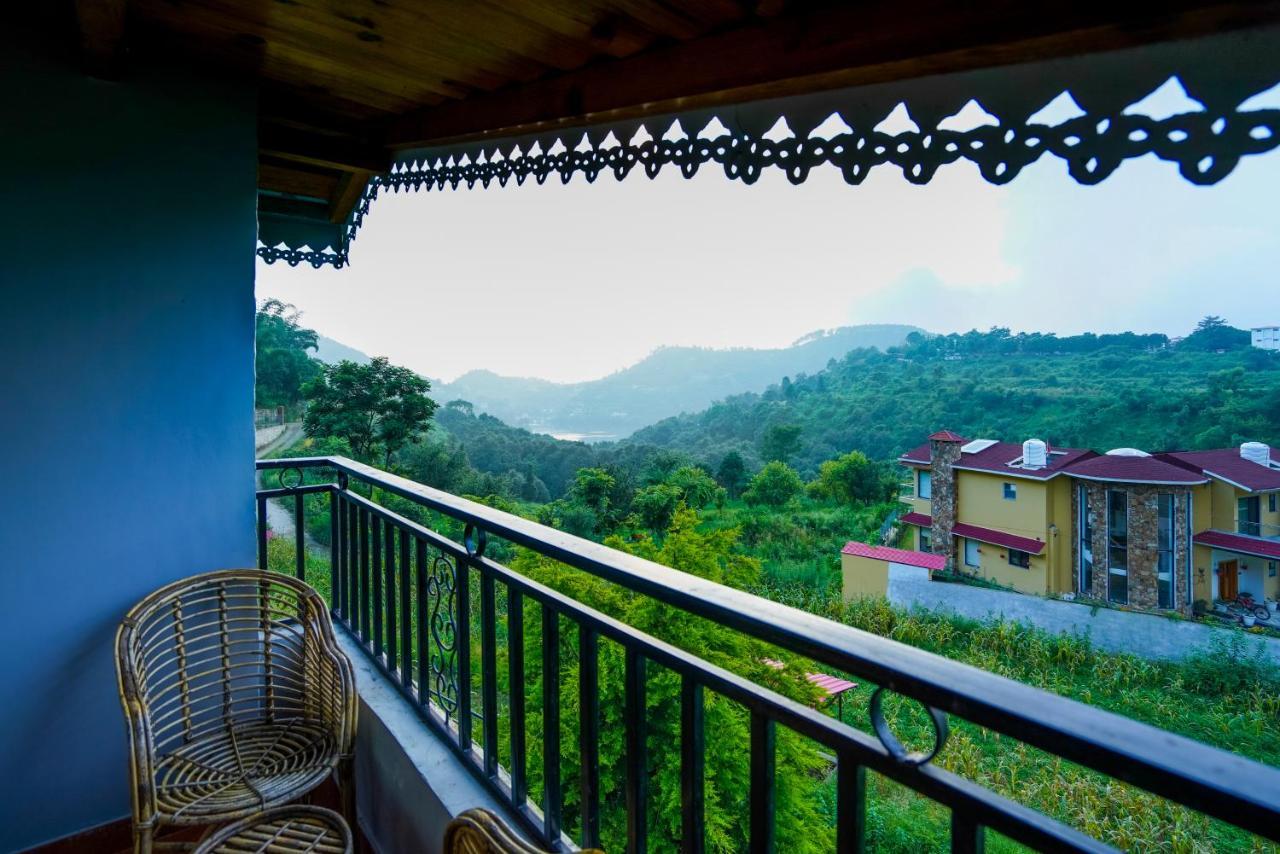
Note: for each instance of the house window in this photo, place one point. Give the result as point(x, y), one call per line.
point(972, 557)
point(1271, 503)
point(1248, 516)
point(1085, 527)
point(1118, 546)
point(1271, 569)
point(925, 487)
point(1010, 492)
point(1019, 558)
point(1164, 551)
point(925, 545)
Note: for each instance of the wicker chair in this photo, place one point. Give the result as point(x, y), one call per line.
point(478, 831)
point(237, 699)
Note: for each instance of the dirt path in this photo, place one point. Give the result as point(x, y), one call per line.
point(279, 516)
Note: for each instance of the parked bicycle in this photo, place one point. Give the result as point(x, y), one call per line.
point(1244, 603)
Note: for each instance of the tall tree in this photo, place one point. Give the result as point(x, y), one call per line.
point(774, 485)
point(282, 362)
point(378, 408)
point(780, 442)
point(850, 478)
point(732, 473)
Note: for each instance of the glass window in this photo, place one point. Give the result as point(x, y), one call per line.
point(1248, 516)
point(971, 553)
point(1118, 546)
point(1020, 559)
point(925, 488)
point(1271, 569)
point(925, 545)
point(1086, 543)
point(1010, 492)
point(1271, 503)
point(1164, 551)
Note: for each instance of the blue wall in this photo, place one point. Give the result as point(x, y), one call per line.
point(126, 400)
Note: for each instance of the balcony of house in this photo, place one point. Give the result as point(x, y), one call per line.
point(494, 669)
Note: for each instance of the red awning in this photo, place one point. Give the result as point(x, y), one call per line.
point(1241, 543)
point(981, 534)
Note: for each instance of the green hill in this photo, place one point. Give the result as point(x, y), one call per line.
point(1089, 391)
point(669, 381)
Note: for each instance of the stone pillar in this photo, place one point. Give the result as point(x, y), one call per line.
point(1097, 510)
point(944, 453)
point(1144, 520)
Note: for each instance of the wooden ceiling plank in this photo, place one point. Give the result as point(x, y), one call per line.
point(102, 25)
point(828, 48)
point(329, 152)
point(296, 181)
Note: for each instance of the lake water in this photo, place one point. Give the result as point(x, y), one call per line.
point(571, 436)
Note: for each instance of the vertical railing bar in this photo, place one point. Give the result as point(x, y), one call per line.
point(335, 552)
point(692, 766)
point(967, 836)
point(406, 615)
point(552, 796)
point(353, 567)
point(516, 681)
point(589, 733)
point(462, 633)
point(424, 642)
point(375, 563)
point(364, 575)
point(763, 736)
point(262, 533)
point(489, 673)
point(637, 762)
point(389, 594)
point(300, 536)
point(851, 805)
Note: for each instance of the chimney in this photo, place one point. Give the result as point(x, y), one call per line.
point(1256, 452)
point(944, 452)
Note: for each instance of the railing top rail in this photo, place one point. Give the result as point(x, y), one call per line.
point(1224, 785)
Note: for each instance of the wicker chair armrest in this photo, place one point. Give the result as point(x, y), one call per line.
point(344, 703)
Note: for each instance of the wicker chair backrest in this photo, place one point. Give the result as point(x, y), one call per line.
point(226, 649)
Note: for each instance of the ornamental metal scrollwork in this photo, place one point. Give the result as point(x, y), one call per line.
point(850, 129)
point(297, 481)
point(895, 747)
point(443, 658)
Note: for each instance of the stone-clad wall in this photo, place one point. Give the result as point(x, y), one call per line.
point(944, 454)
point(1143, 556)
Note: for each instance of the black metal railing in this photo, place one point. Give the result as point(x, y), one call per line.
point(406, 593)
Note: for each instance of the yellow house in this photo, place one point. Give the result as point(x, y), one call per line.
point(1157, 531)
point(865, 569)
point(1006, 509)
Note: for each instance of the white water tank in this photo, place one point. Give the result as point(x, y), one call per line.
point(1035, 454)
point(1256, 452)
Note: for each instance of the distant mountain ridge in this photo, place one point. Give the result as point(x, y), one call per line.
point(331, 352)
point(669, 381)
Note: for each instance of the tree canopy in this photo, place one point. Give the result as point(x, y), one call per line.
point(282, 361)
point(378, 408)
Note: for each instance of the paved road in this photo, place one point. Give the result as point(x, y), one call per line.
point(279, 519)
point(1145, 635)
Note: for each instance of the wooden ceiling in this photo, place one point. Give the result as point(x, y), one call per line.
point(346, 83)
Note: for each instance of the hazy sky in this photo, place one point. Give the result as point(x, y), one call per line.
point(574, 282)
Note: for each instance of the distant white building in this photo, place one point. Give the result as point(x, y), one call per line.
point(1266, 337)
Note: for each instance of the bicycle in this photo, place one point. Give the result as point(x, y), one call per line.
point(1244, 603)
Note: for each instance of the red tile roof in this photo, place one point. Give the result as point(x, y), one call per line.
point(996, 459)
point(1131, 469)
point(945, 436)
point(924, 560)
point(1239, 543)
point(985, 535)
point(1227, 464)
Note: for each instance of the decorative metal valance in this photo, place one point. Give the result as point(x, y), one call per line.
point(1094, 112)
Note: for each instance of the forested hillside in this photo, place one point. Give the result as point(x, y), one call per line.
point(1210, 390)
point(669, 381)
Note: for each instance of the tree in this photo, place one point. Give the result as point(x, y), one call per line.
point(1213, 333)
point(695, 487)
point(656, 505)
point(281, 363)
point(376, 407)
point(732, 473)
point(593, 488)
point(850, 478)
point(774, 485)
point(780, 442)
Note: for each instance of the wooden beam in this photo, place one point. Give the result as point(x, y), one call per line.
point(101, 25)
point(826, 48)
point(347, 194)
point(343, 153)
